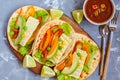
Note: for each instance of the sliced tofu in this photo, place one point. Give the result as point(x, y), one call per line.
point(82, 59)
point(31, 24)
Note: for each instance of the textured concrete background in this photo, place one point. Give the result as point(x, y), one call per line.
point(11, 68)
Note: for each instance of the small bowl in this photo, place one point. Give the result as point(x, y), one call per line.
point(99, 23)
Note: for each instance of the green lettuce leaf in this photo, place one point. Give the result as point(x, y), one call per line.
point(42, 13)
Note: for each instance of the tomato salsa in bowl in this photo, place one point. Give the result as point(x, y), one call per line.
point(98, 12)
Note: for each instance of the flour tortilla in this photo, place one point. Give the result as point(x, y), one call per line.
point(96, 58)
point(15, 14)
point(41, 33)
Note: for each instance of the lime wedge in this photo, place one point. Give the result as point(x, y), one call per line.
point(28, 62)
point(77, 15)
point(56, 13)
point(47, 72)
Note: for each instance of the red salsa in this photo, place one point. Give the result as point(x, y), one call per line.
point(99, 10)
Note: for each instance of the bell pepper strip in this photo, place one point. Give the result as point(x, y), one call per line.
point(76, 45)
point(52, 36)
point(52, 27)
point(45, 53)
point(60, 66)
point(30, 12)
point(86, 48)
point(42, 42)
point(15, 36)
point(46, 42)
point(59, 32)
point(40, 19)
point(55, 44)
point(16, 30)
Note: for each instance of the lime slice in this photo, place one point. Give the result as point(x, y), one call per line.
point(47, 72)
point(28, 62)
point(56, 13)
point(77, 15)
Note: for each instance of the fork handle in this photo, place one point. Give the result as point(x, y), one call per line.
point(107, 56)
point(102, 56)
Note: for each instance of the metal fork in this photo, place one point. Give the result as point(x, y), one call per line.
point(112, 28)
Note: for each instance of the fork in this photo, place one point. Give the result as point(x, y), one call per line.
point(112, 28)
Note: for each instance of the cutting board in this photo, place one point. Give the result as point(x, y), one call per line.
point(38, 68)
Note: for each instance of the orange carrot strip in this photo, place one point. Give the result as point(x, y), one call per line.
point(60, 66)
point(48, 36)
point(55, 44)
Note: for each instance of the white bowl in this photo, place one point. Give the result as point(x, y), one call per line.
point(105, 22)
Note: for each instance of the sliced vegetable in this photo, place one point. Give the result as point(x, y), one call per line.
point(42, 42)
point(60, 66)
point(22, 23)
point(86, 48)
point(66, 28)
point(48, 37)
point(54, 48)
point(47, 72)
point(30, 12)
point(73, 67)
point(68, 61)
point(78, 43)
point(56, 13)
point(77, 15)
point(42, 13)
point(29, 62)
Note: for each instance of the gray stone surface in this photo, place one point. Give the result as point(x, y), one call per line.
point(11, 68)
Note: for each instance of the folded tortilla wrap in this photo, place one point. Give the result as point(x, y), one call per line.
point(84, 60)
point(23, 26)
point(66, 37)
